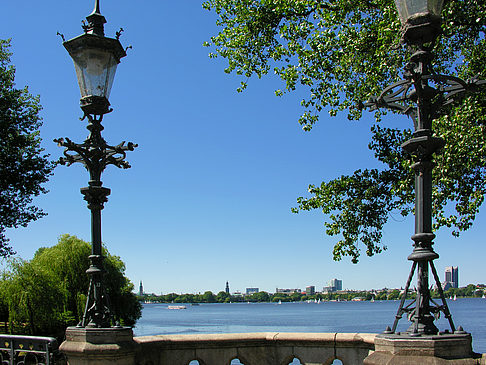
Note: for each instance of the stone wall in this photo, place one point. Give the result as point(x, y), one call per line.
point(255, 348)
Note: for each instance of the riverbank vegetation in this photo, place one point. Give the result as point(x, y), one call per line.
point(45, 295)
point(222, 297)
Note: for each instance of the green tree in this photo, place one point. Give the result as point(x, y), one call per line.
point(23, 166)
point(340, 53)
point(68, 262)
point(277, 297)
point(49, 292)
point(169, 298)
point(33, 299)
point(222, 297)
point(261, 296)
point(295, 297)
point(208, 297)
point(395, 294)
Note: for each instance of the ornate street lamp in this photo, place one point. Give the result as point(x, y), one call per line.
point(421, 95)
point(95, 59)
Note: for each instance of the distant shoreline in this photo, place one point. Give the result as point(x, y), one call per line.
point(469, 291)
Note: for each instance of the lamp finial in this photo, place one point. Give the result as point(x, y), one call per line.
point(97, 7)
point(96, 21)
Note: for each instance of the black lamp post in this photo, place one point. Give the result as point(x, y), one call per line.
point(421, 95)
point(95, 59)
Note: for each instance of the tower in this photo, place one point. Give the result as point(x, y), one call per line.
point(227, 288)
point(140, 291)
point(452, 276)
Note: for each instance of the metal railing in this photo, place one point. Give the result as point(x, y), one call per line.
point(29, 350)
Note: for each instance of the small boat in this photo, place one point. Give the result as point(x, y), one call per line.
point(176, 307)
point(455, 297)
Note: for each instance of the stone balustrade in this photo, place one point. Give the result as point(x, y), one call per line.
point(117, 346)
point(255, 348)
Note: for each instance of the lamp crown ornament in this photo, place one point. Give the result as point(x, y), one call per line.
point(95, 58)
point(96, 21)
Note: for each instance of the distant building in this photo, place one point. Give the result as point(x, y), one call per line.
point(227, 288)
point(446, 285)
point(250, 291)
point(140, 290)
point(237, 294)
point(333, 285)
point(288, 291)
point(310, 290)
point(451, 277)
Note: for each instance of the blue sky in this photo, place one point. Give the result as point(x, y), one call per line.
point(216, 172)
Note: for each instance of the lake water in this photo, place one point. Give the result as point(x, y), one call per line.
point(365, 317)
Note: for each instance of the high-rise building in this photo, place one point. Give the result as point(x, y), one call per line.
point(140, 290)
point(310, 290)
point(335, 285)
point(452, 276)
point(250, 291)
point(227, 288)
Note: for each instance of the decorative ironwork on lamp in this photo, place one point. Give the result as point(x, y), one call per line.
point(95, 59)
point(422, 95)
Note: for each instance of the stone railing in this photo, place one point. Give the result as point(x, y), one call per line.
point(117, 346)
point(255, 348)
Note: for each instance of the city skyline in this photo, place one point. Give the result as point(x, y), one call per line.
point(209, 194)
point(308, 289)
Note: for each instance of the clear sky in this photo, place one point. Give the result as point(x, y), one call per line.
point(208, 197)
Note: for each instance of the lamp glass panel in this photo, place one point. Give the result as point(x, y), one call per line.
point(95, 70)
point(414, 8)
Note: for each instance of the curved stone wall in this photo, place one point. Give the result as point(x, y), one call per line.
point(255, 348)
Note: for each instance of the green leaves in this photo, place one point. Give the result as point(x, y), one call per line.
point(339, 53)
point(23, 166)
point(330, 49)
point(357, 208)
point(49, 292)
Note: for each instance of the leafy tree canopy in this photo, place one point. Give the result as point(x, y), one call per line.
point(23, 166)
point(48, 293)
point(340, 53)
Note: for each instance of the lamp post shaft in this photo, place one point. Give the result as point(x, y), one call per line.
point(421, 147)
point(97, 309)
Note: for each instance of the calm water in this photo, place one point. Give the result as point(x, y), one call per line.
point(301, 317)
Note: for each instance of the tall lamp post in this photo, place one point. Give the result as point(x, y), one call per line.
point(422, 94)
point(95, 59)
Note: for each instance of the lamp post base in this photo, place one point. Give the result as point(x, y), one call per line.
point(442, 349)
point(99, 346)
